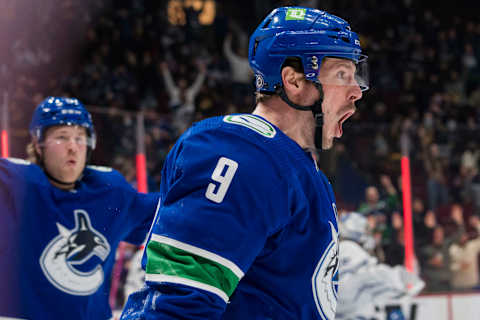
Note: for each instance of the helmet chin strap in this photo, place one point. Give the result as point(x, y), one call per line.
point(316, 109)
point(63, 183)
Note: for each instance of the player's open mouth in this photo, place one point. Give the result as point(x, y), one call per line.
point(341, 121)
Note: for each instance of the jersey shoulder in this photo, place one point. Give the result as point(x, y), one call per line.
point(229, 163)
point(100, 176)
point(15, 170)
point(253, 123)
point(351, 247)
point(353, 257)
point(245, 135)
point(244, 138)
point(17, 161)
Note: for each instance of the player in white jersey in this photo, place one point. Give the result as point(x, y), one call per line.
point(366, 286)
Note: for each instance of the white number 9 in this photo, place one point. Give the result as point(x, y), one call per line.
point(224, 180)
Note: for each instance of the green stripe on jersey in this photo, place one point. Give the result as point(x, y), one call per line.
point(167, 259)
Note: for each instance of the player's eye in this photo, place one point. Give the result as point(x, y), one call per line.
point(62, 139)
point(81, 140)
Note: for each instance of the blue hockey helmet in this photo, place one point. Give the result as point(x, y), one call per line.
point(307, 34)
point(58, 111)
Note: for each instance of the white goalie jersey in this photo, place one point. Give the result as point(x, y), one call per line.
point(366, 286)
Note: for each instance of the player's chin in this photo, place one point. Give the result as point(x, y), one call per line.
point(72, 174)
point(327, 143)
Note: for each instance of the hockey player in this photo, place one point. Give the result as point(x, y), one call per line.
point(65, 219)
point(247, 225)
point(365, 285)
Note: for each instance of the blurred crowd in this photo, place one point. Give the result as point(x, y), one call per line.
point(123, 57)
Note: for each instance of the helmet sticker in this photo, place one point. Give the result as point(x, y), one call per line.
point(295, 14)
point(314, 63)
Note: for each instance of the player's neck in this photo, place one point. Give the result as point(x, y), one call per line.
point(296, 124)
point(66, 187)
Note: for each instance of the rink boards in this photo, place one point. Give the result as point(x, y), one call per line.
point(448, 306)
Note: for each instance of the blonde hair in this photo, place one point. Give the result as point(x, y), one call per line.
point(32, 154)
point(262, 97)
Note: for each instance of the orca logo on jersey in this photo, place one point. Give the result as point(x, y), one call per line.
point(325, 279)
point(73, 248)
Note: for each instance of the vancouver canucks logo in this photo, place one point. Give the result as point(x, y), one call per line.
point(325, 279)
point(73, 248)
point(259, 82)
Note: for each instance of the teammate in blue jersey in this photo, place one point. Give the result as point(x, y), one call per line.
point(247, 227)
point(64, 220)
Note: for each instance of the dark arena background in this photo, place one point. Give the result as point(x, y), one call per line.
point(424, 104)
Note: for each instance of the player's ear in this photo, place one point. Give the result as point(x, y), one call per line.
point(37, 148)
point(291, 79)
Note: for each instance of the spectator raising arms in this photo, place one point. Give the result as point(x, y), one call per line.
point(182, 97)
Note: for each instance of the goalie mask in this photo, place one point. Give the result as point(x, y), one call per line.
point(354, 226)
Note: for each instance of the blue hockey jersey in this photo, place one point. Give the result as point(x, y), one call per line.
point(58, 247)
point(247, 229)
